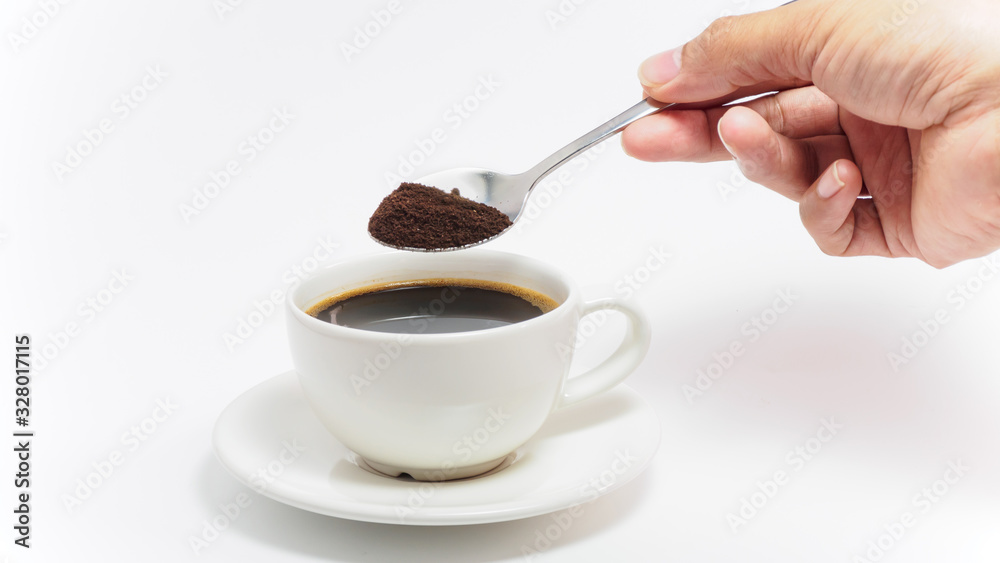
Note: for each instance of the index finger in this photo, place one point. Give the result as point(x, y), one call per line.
point(692, 135)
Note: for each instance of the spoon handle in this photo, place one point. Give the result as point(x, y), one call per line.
point(646, 107)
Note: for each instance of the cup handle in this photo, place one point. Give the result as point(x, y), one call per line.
point(619, 364)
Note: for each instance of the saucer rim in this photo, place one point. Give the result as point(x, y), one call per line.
point(366, 511)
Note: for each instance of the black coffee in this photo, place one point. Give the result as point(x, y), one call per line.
point(422, 308)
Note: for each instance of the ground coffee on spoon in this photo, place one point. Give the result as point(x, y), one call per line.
point(418, 216)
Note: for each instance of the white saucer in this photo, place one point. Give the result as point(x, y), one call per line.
point(270, 440)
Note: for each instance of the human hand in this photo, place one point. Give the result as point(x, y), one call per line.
point(901, 105)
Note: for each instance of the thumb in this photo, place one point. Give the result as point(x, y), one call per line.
point(751, 54)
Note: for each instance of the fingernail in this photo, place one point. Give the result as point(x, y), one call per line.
point(660, 68)
point(718, 129)
point(830, 182)
point(739, 163)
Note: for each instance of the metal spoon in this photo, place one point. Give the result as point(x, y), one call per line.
point(509, 192)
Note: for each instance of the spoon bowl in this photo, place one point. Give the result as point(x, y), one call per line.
point(509, 192)
point(506, 192)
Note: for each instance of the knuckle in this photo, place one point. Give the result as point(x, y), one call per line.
point(721, 28)
point(774, 114)
point(716, 37)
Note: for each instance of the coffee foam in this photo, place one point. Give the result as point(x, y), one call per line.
point(540, 300)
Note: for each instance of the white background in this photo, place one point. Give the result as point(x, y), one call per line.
point(733, 246)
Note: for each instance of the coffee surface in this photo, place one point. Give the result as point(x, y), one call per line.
point(418, 216)
point(433, 308)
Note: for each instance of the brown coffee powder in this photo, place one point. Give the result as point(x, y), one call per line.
point(418, 216)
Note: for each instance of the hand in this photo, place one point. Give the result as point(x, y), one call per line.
point(872, 99)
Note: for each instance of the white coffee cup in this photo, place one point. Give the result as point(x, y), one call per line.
point(453, 405)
